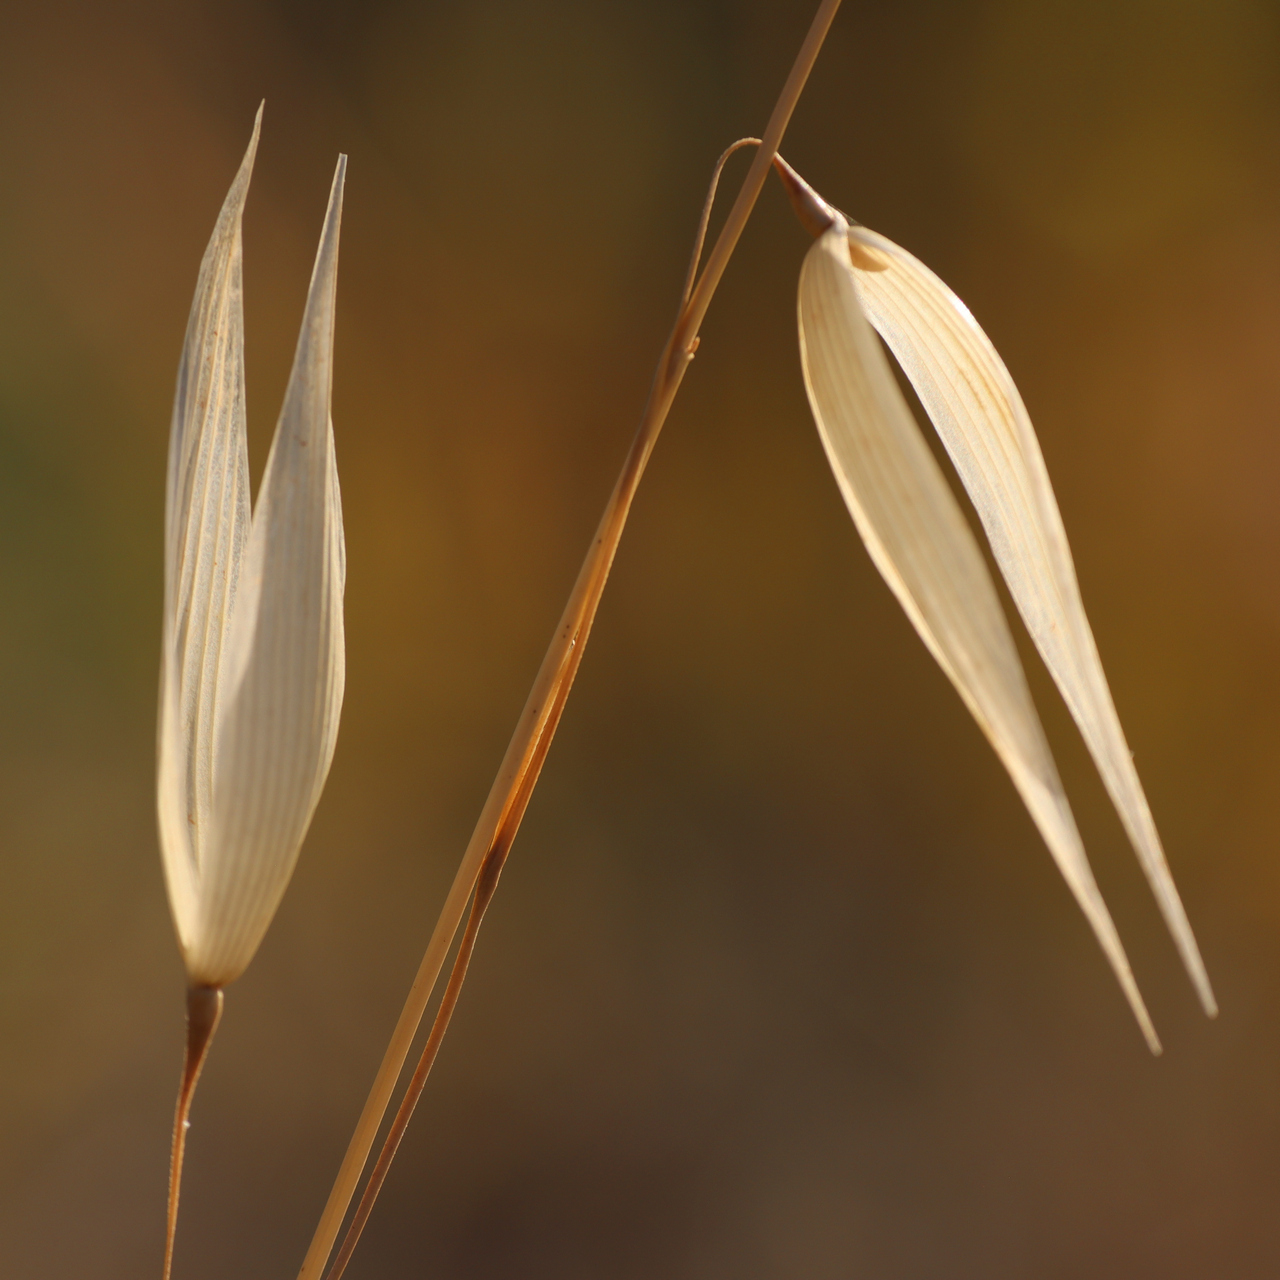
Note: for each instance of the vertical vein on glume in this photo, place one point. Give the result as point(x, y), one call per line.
point(982, 450)
point(202, 695)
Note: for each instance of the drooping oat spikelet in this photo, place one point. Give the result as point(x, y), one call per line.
point(979, 415)
point(253, 665)
point(920, 542)
point(918, 538)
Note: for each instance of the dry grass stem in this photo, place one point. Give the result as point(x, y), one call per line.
point(485, 886)
point(204, 1012)
point(509, 796)
point(700, 237)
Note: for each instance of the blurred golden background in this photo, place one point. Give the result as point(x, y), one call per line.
point(780, 980)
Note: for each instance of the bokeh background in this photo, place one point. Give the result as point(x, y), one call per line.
point(780, 980)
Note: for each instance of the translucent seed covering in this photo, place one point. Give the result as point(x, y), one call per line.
point(253, 665)
point(984, 426)
point(921, 543)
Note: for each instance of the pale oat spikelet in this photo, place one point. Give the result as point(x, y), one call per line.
point(253, 661)
point(253, 665)
point(852, 280)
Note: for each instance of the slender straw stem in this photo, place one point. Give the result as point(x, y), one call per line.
point(503, 810)
point(691, 276)
point(485, 886)
point(691, 319)
point(204, 1011)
